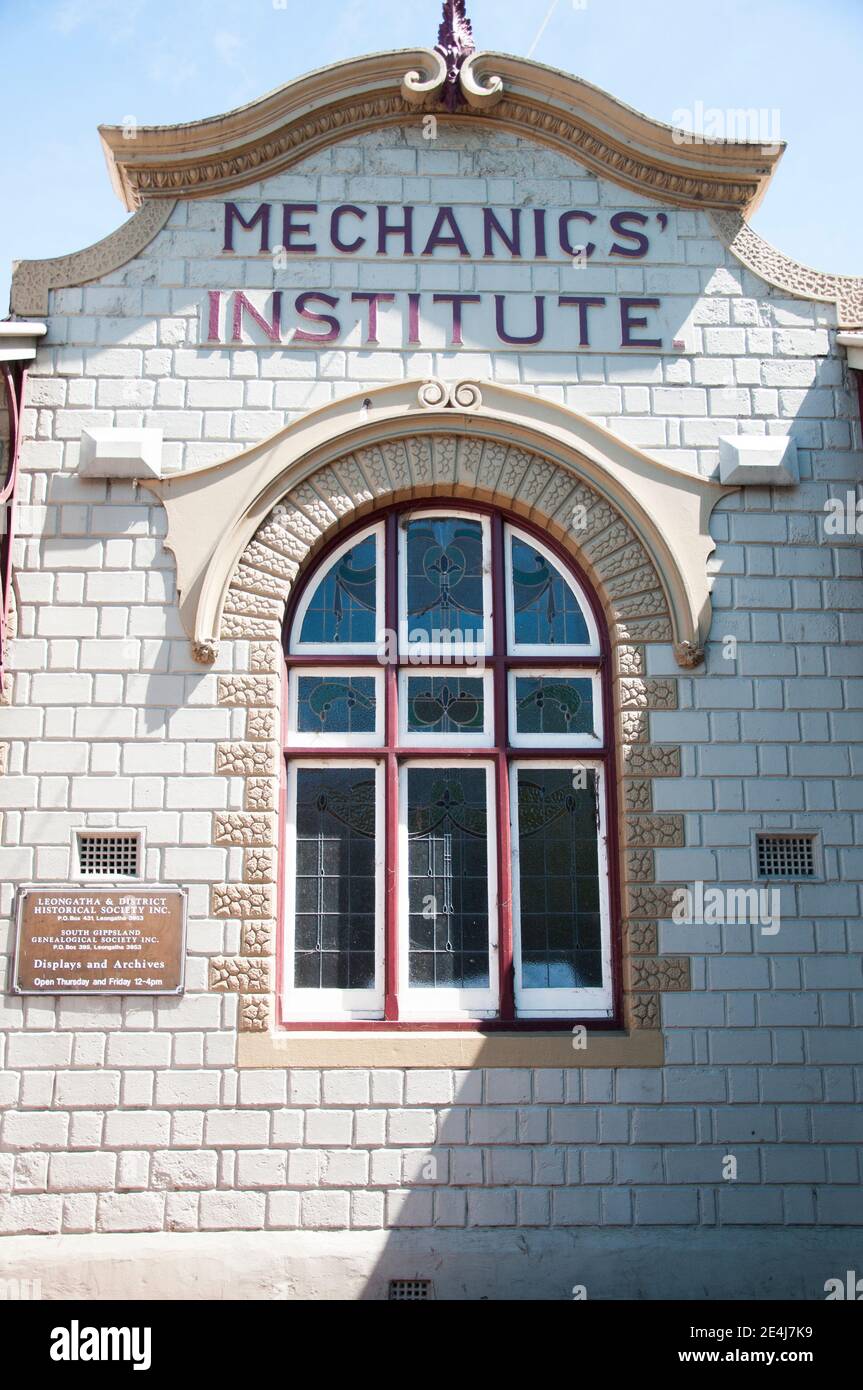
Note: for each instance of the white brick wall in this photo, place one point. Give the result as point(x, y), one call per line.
point(128, 1114)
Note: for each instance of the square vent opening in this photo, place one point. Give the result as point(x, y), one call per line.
point(108, 853)
point(782, 855)
point(410, 1290)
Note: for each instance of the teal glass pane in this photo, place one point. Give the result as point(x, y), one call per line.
point(553, 705)
point(336, 705)
point(558, 867)
point(335, 879)
point(445, 705)
point(545, 610)
point(342, 607)
point(445, 580)
point(447, 878)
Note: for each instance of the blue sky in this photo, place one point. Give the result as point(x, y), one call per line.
point(69, 65)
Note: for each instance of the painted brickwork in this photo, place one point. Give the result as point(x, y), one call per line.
point(130, 1115)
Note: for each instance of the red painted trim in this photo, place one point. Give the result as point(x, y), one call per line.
point(500, 753)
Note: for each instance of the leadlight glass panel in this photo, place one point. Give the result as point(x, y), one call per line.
point(545, 609)
point(445, 585)
point(336, 704)
point(558, 870)
point(445, 704)
point(335, 879)
point(554, 705)
point(448, 882)
point(342, 607)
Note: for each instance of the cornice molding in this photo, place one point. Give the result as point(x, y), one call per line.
point(32, 280)
point(215, 512)
point(257, 141)
point(845, 291)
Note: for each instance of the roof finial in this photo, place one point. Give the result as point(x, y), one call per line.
point(454, 44)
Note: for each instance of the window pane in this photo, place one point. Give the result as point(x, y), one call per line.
point(448, 878)
point(546, 611)
point(335, 879)
point(445, 704)
point(342, 606)
point(336, 704)
point(558, 879)
point(445, 588)
point(554, 705)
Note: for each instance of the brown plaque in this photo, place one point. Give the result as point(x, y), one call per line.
point(80, 940)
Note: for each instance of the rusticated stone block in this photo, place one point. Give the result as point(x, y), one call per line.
point(649, 974)
point(493, 458)
point(637, 794)
point(372, 462)
point(257, 938)
point(665, 831)
point(638, 865)
point(651, 760)
point(633, 726)
point(643, 630)
point(644, 1011)
point(255, 581)
point(261, 724)
point(259, 865)
point(314, 506)
point(397, 463)
point(624, 560)
point(254, 1014)
point(612, 539)
point(262, 557)
point(4, 758)
point(350, 475)
point(237, 975)
point(650, 899)
point(246, 629)
point(243, 828)
point(246, 759)
point(652, 692)
point(247, 690)
point(630, 660)
point(264, 656)
point(253, 605)
point(650, 604)
point(632, 582)
point(260, 794)
point(641, 938)
point(241, 900)
point(443, 458)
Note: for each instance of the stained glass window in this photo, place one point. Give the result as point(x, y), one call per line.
point(447, 822)
point(445, 601)
point(343, 605)
point(554, 705)
point(558, 879)
point(446, 842)
point(335, 883)
point(336, 704)
point(545, 609)
point(450, 704)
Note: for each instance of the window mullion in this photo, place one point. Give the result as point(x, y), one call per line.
point(501, 738)
point(391, 774)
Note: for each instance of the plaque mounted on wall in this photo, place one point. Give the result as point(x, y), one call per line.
point(81, 940)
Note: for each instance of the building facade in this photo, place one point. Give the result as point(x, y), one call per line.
point(434, 548)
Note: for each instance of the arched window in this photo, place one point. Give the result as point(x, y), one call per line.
point(447, 781)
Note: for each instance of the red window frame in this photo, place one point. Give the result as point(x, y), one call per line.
point(501, 753)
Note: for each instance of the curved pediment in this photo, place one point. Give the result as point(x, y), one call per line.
point(254, 142)
point(658, 512)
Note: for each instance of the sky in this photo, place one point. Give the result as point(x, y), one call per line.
point(70, 65)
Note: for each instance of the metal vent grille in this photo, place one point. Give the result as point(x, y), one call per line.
point(109, 856)
point(786, 856)
point(410, 1290)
